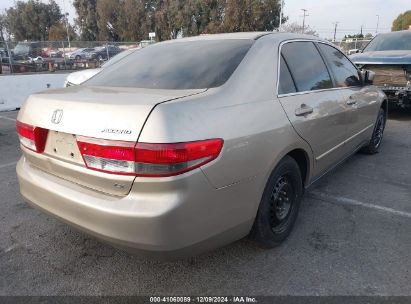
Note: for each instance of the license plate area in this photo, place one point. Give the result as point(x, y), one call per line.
point(63, 146)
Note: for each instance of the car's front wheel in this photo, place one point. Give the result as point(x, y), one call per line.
point(376, 139)
point(279, 205)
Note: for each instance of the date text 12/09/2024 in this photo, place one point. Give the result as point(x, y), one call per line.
point(233, 299)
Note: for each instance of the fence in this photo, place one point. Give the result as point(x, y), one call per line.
point(349, 45)
point(24, 57)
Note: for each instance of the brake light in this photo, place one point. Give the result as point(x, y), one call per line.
point(147, 159)
point(33, 138)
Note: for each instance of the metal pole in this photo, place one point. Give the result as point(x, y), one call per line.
point(67, 24)
point(335, 30)
point(10, 57)
point(378, 22)
point(305, 15)
point(281, 14)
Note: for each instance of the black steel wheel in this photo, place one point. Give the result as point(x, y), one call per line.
point(377, 136)
point(279, 205)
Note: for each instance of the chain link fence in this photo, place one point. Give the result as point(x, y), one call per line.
point(350, 46)
point(34, 56)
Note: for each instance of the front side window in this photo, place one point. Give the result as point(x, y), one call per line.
point(306, 66)
point(177, 65)
point(345, 74)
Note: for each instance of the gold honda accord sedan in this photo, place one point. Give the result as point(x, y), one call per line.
point(191, 144)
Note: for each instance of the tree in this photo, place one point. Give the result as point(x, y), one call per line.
point(58, 32)
point(108, 12)
point(298, 28)
point(251, 15)
point(4, 28)
point(356, 36)
point(131, 23)
point(169, 19)
point(86, 19)
point(402, 22)
point(33, 19)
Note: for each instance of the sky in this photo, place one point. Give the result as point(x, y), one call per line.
point(350, 14)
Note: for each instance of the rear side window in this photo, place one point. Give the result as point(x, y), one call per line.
point(286, 84)
point(306, 66)
point(345, 74)
point(177, 66)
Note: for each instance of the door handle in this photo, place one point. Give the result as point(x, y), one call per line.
point(303, 110)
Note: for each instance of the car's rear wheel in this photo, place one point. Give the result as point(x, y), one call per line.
point(376, 139)
point(279, 205)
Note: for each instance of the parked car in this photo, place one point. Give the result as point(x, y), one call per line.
point(191, 144)
point(55, 54)
point(80, 53)
point(389, 56)
point(24, 50)
point(103, 52)
point(79, 77)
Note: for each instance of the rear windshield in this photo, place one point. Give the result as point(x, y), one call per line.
point(176, 66)
point(397, 41)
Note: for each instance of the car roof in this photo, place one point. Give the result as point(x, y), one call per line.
point(404, 32)
point(280, 36)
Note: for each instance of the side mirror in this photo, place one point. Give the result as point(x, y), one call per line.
point(367, 77)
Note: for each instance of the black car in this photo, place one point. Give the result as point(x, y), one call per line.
point(103, 52)
point(389, 56)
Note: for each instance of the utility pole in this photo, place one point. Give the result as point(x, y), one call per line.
point(67, 24)
point(378, 22)
point(335, 30)
point(305, 15)
point(281, 14)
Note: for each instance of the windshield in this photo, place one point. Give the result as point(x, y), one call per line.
point(176, 66)
point(396, 41)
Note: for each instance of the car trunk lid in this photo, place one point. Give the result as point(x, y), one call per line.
point(105, 113)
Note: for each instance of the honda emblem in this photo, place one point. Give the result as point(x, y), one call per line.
point(56, 118)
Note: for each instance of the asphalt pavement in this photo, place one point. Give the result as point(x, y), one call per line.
point(352, 237)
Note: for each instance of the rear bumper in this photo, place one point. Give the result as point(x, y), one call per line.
point(170, 218)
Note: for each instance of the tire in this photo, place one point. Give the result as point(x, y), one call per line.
point(279, 205)
point(377, 135)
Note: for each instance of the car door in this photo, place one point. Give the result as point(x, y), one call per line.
point(313, 106)
point(361, 102)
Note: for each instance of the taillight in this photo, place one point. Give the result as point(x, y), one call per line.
point(147, 159)
point(33, 138)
